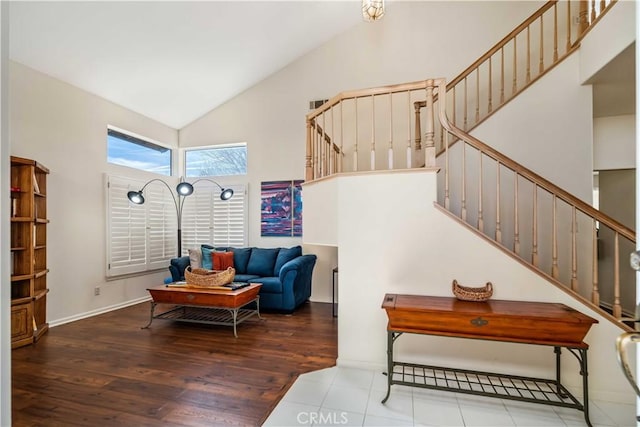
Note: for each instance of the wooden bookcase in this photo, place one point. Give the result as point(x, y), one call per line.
point(28, 251)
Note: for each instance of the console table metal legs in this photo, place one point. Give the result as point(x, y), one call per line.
point(537, 390)
point(207, 315)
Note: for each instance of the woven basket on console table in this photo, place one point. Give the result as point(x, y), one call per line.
point(465, 293)
point(203, 278)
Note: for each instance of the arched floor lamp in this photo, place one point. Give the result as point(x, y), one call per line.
point(183, 190)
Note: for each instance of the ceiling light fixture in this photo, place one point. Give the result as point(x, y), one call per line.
point(372, 10)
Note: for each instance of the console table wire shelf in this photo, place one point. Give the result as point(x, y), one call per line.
point(484, 383)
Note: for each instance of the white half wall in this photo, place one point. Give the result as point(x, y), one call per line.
point(65, 129)
point(614, 144)
point(406, 245)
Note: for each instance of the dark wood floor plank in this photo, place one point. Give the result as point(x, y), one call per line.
point(107, 371)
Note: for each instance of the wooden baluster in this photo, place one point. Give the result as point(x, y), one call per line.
point(429, 148)
point(418, 135)
point(446, 173)
point(498, 227)
point(409, 162)
point(341, 154)
point(308, 167)
point(355, 151)
point(514, 89)
point(574, 251)
point(583, 16)
point(555, 32)
point(502, 75)
point(454, 105)
point(603, 6)
point(554, 243)
point(516, 228)
point(463, 211)
point(373, 133)
point(595, 292)
point(534, 250)
point(332, 159)
point(477, 95)
point(315, 148)
point(465, 104)
point(568, 25)
point(480, 216)
point(490, 106)
point(593, 12)
point(528, 54)
point(617, 308)
point(323, 147)
point(541, 63)
point(390, 155)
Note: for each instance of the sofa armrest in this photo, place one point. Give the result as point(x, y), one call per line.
point(177, 267)
point(295, 277)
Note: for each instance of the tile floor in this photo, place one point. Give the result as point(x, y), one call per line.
point(351, 397)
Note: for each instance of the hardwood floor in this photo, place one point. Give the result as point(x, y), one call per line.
point(107, 371)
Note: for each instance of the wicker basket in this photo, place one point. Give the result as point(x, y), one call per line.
point(203, 278)
point(465, 293)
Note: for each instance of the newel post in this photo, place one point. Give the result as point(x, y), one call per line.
point(430, 147)
point(308, 165)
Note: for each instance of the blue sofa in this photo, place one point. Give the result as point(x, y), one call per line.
point(285, 274)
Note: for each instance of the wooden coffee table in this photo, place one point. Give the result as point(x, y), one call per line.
point(210, 306)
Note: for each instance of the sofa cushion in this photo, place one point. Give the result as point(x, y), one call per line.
point(262, 261)
point(207, 258)
point(195, 257)
point(245, 277)
point(222, 260)
point(284, 256)
point(270, 285)
point(240, 259)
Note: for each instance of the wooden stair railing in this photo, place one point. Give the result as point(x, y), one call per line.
point(576, 212)
point(520, 59)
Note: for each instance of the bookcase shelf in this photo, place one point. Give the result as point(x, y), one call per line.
point(28, 251)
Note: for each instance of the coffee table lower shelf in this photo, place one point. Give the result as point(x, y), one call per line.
point(207, 315)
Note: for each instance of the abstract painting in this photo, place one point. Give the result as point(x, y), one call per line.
point(281, 208)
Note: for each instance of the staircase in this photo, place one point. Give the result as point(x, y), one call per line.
point(551, 231)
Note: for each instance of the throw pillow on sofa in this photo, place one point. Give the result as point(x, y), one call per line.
point(195, 258)
point(222, 260)
point(207, 258)
point(262, 261)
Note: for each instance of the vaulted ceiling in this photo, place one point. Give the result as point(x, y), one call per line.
point(171, 61)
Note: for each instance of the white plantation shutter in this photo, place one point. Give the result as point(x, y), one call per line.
point(162, 225)
point(230, 219)
point(208, 220)
point(139, 237)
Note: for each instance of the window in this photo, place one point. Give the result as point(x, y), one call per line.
point(135, 152)
point(216, 161)
point(139, 237)
point(207, 219)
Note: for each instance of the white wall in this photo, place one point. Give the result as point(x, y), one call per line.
point(406, 245)
point(614, 144)
point(65, 129)
point(407, 45)
point(548, 128)
point(618, 28)
point(5, 276)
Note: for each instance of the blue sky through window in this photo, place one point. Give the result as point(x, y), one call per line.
point(219, 161)
point(139, 155)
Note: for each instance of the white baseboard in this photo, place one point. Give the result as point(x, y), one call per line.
point(359, 364)
point(97, 311)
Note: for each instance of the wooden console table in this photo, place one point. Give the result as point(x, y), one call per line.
point(548, 324)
